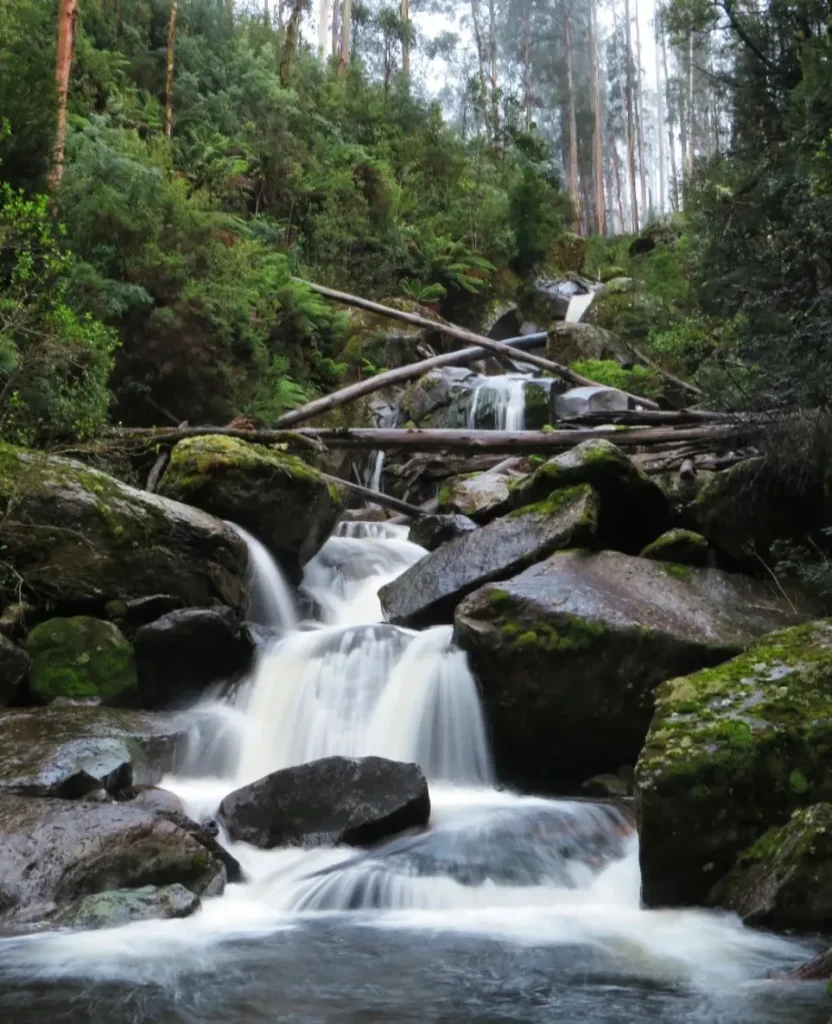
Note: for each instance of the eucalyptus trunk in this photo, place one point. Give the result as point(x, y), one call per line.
point(67, 20)
point(169, 75)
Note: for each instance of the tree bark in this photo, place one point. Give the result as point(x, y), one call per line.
point(229, 6)
point(290, 43)
point(266, 15)
point(598, 148)
point(640, 118)
point(169, 76)
point(67, 20)
point(527, 62)
point(323, 28)
point(574, 183)
point(616, 166)
point(660, 115)
point(628, 92)
point(478, 40)
point(674, 192)
point(492, 56)
point(405, 16)
point(335, 28)
point(691, 122)
point(346, 40)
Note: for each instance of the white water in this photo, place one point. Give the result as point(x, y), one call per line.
point(578, 305)
point(272, 602)
point(507, 395)
point(493, 864)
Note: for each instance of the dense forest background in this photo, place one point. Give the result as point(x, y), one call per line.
point(154, 211)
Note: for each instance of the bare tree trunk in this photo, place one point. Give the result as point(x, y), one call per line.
point(266, 15)
point(335, 46)
point(346, 37)
point(475, 24)
point(674, 193)
point(660, 117)
point(527, 61)
point(598, 148)
point(640, 118)
point(229, 6)
point(492, 57)
point(574, 183)
point(628, 94)
point(169, 76)
point(290, 44)
point(691, 152)
point(67, 19)
point(405, 16)
point(616, 166)
point(323, 28)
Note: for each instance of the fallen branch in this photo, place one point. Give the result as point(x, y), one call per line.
point(354, 391)
point(385, 500)
point(163, 435)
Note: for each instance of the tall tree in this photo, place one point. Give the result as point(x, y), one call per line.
point(334, 28)
point(406, 28)
point(67, 20)
point(598, 140)
point(169, 74)
point(628, 93)
point(660, 116)
point(346, 37)
point(640, 115)
point(492, 61)
point(323, 28)
point(290, 43)
point(527, 61)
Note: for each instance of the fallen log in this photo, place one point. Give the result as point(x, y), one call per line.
point(381, 380)
point(404, 508)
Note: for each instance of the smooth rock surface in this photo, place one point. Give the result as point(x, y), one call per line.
point(428, 591)
point(569, 653)
point(582, 401)
point(430, 532)
point(732, 751)
point(70, 751)
point(481, 496)
point(118, 907)
point(331, 801)
point(181, 654)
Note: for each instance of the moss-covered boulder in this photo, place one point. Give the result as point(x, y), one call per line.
point(568, 343)
point(567, 254)
point(430, 590)
point(681, 546)
point(784, 881)
point(74, 539)
point(14, 670)
point(118, 907)
point(284, 501)
point(569, 653)
point(633, 510)
point(81, 658)
point(731, 752)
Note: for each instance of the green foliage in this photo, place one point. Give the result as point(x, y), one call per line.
point(639, 379)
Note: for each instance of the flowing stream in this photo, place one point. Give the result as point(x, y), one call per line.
point(508, 908)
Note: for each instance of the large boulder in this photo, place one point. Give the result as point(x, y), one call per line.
point(441, 398)
point(184, 652)
point(14, 670)
point(568, 654)
point(54, 852)
point(732, 752)
point(570, 342)
point(70, 751)
point(784, 881)
point(479, 496)
point(685, 547)
point(77, 538)
point(119, 907)
point(430, 532)
point(81, 658)
point(281, 499)
point(633, 510)
point(586, 400)
point(428, 592)
point(336, 800)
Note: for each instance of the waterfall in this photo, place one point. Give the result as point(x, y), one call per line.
point(504, 395)
point(578, 305)
point(272, 602)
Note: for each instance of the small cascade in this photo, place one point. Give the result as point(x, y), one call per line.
point(502, 398)
point(272, 601)
point(578, 305)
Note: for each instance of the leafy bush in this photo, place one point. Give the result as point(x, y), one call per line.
point(639, 380)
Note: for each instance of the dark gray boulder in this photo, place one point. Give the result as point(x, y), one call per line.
point(70, 751)
point(335, 800)
point(431, 532)
point(14, 670)
point(428, 591)
point(568, 653)
point(184, 652)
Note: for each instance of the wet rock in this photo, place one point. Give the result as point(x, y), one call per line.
point(14, 670)
point(440, 399)
point(732, 752)
point(154, 798)
point(81, 658)
point(130, 616)
point(278, 497)
point(568, 343)
point(71, 751)
point(336, 800)
point(569, 653)
point(13, 620)
point(184, 652)
point(608, 785)
point(428, 592)
point(784, 881)
point(431, 532)
point(684, 547)
point(588, 399)
point(633, 510)
point(480, 496)
point(79, 538)
point(55, 852)
point(119, 907)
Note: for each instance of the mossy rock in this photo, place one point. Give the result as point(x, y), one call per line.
point(479, 496)
point(118, 907)
point(567, 255)
point(75, 538)
point(732, 751)
point(633, 509)
point(81, 658)
point(280, 498)
point(683, 547)
point(784, 881)
point(569, 343)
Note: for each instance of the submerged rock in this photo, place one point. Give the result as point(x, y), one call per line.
point(278, 497)
point(81, 658)
point(119, 907)
point(732, 752)
point(568, 653)
point(71, 751)
point(55, 852)
point(784, 881)
point(633, 511)
point(79, 538)
point(431, 532)
point(681, 546)
point(428, 591)
point(14, 670)
point(336, 800)
point(184, 652)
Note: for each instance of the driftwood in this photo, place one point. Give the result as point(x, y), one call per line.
point(157, 469)
point(338, 398)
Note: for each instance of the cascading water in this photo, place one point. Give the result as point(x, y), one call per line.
point(505, 396)
point(272, 603)
point(507, 908)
